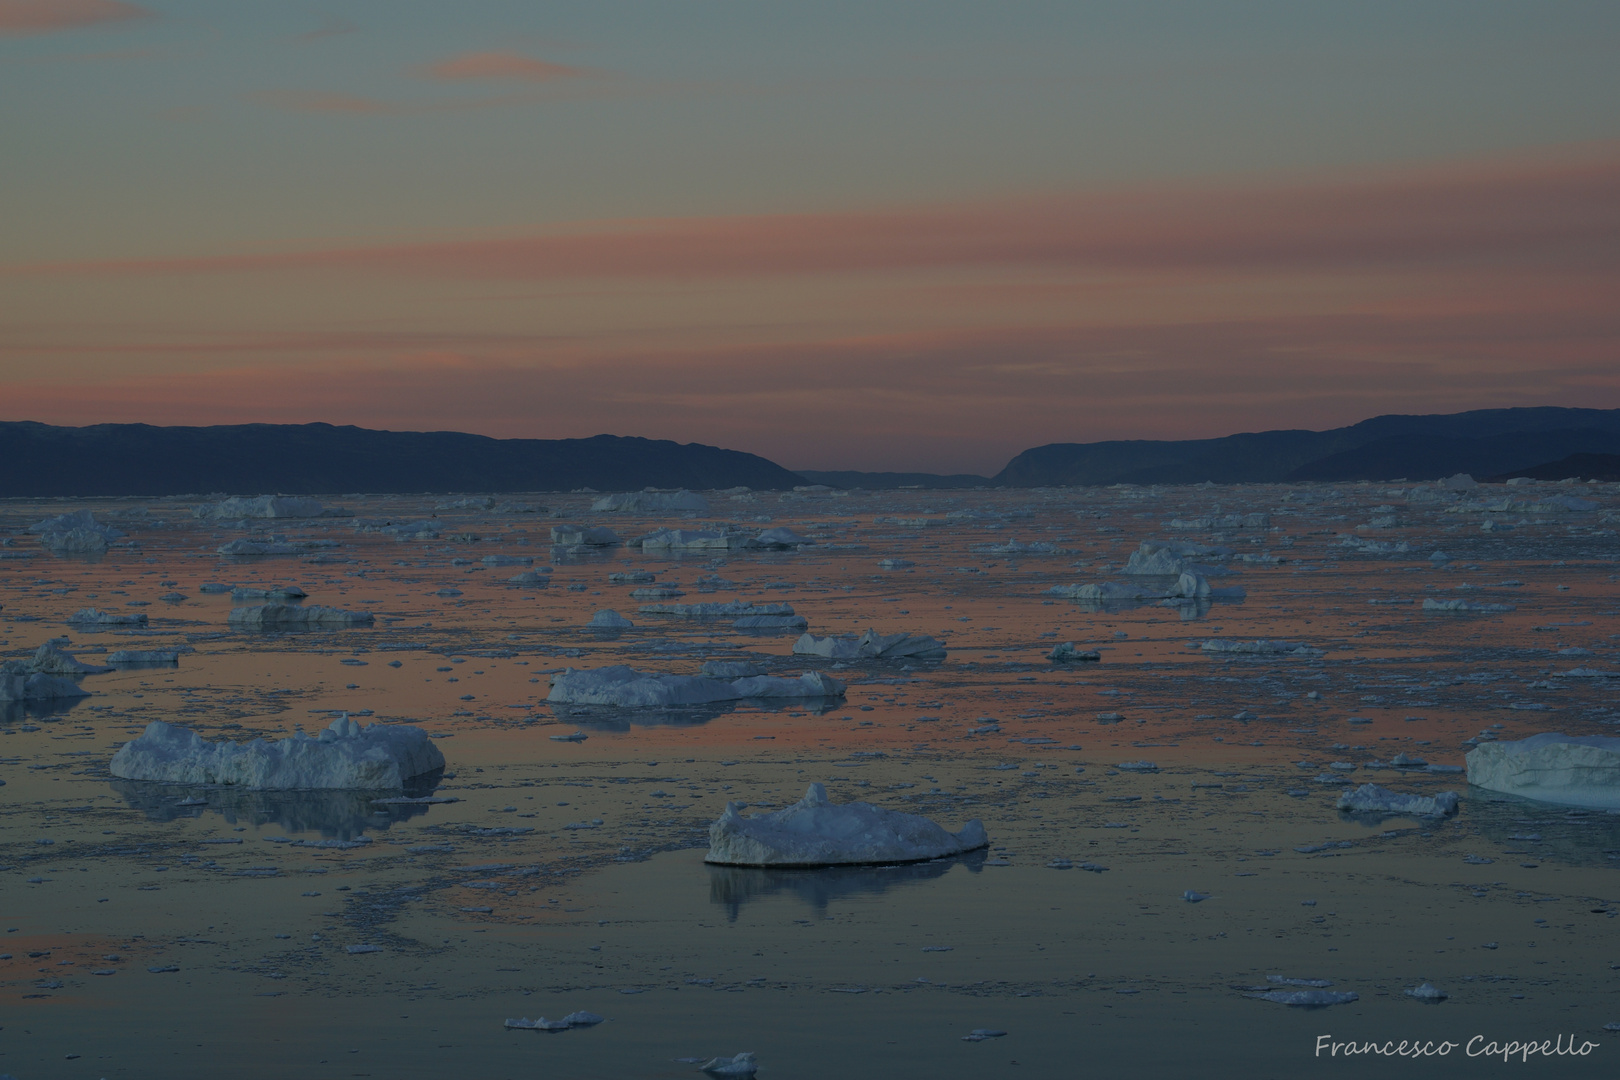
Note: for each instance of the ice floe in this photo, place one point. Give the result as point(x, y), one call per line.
point(624, 687)
point(77, 533)
point(294, 616)
point(1066, 653)
point(871, 646)
point(1370, 798)
point(1261, 648)
point(608, 619)
point(581, 536)
point(651, 502)
point(265, 506)
point(347, 755)
point(814, 832)
point(1551, 767)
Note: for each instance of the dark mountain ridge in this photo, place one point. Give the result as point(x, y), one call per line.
point(42, 461)
point(1484, 442)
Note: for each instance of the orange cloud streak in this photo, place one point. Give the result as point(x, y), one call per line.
point(20, 17)
point(500, 66)
point(1546, 213)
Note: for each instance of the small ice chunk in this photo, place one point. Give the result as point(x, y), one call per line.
point(1427, 993)
point(608, 619)
point(292, 616)
point(1370, 798)
point(814, 832)
point(1066, 653)
point(1310, 999)
point(1193, 897)
point(740, 1066)
point(871, 646)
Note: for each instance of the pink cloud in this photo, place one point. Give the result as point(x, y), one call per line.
point(316, 102)
point(1552, 212)
point(20, 17)
point(499, 66)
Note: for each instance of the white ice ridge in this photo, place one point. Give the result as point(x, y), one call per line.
point(1262, 647)
point(265, 506)
point(814, 832)
point(1551, 767)
point(1173, 558)
point(276, 616)
point(1372, 798)
point(345, 755)
point(627, 688)
point(870, 646)
point(648, 502)
point(1189, 586)
point(78, 532)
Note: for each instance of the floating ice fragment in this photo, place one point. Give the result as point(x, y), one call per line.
point(1370, 798)
point(288, 616)
point(1310, 999)
point(97, 617)
point(1431, 604)
point(1262, 647)
point(1066, 653)
point(608, 619)
point(356, 950)
point(577, 736)
point(1551, 767)
point(345, 755)
point(870, 646)
point(1283, 980)
point(627, 688)
point(1427, 993)
point(740, 1066)
point(651, 502)
point(1137, 766)
point(814, 832)
point(1194, 897)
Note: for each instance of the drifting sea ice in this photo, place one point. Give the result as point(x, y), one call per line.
point(870, 646)
point(291, 616)
point(1370, 798)
point(625, 687)
point(346, 755)
point(651, 502)
point(1551, 767)
point(814, 832)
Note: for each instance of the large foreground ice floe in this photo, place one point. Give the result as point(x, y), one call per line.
point(814, 832)
point(345, 755)
point(1551, 767)
point(294, 616)
point(625, 687)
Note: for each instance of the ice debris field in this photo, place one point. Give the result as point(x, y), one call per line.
point(808, 783)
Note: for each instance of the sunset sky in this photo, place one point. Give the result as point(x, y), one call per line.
point(867, 235)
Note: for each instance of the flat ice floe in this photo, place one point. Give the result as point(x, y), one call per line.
point(870, 646)
point(626, 687)
point(291, 616)
point(814, 832)
point(1370, 798)
point(1551, 767)
point(346, 755)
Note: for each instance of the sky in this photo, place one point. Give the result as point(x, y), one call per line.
point(845, 235)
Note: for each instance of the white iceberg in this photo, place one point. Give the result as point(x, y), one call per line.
point(739, 1067)
point(1573, 770)
point(1261, 648)
point(624, 687)
point(870, 646)
point(77, 533)
point(814, 832)
point(781, 539)
point(97, 617)
point(1066, 653)
point(651, 502)
point(1431, 604)
point(531, 579)
point(689, 540)
point(1370, 798)
point(716, 609)
point(293, 616)
point(580, 536)
point(1157, 559)
point(18, 682)
point(609, 620)
point(265, 506)
point(49, 660)
point(345, 755)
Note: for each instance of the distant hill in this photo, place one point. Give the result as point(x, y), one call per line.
point(882, 481)
point(1605, 467)
point(1486, 442)
point(41, 461)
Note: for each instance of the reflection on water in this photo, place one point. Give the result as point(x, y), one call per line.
point(611, 718)
point(734, 886)
point(341, 815)
point(1566, 834)
point(15, 712)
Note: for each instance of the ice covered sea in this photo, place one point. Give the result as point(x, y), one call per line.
point(156, 930)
